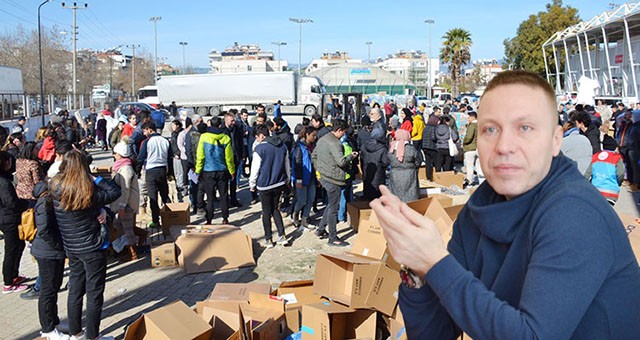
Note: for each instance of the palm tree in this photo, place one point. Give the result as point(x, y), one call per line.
point(455, 51)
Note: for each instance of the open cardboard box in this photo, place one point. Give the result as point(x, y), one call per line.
point(171, 322)
point(213, 248)
point(225, 317)
point(164, 255)
point(449, 178)
point(332, 321)
point(296, 294)
point(357, 281)
point(370, 241)
point(265, 314)
point(238, 292)
point(358, 211)
point(173, 214)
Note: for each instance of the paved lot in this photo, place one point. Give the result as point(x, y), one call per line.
point(134, 288)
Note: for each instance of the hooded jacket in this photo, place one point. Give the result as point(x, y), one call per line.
point(286, 136)
point(48, 242)
point(443, 132)
point(80, 229)
point(11, 207)
point(270, 166)
point(329, 159)
point(214, 152)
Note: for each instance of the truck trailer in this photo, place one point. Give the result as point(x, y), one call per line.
point(210, 94)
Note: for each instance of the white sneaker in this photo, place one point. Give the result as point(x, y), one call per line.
point(283, 241)
point(79, 337)
point(55, 335)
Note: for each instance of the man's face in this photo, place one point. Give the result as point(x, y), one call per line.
point(518, 138)
point(22, 121)
point(245, 116)
point(106, 106)
point(229, 121)
point(374, 116)
point(148, 132)
point(315, 123)
point(260, 110)
point(260, 138)
point(174, 127)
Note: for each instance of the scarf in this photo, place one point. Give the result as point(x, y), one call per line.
point(402, 139)
point(120, 163)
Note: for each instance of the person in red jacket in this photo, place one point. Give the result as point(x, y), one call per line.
point(407, 122)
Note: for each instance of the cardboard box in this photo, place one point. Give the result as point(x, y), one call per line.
point(173, 214)
point(449, 178)
point(238, 292)
point(265, 314)
point(632, 226)
point(225, 317)
point(332, 321)
point(445, 200)
point(358, 211)
point(454, 211)
point(370, 241)
point(172, 322)
point(397, 330)
point(422, 173)
point(357, 282)
point(164, 255)
point(214, 248)
point(295, 295)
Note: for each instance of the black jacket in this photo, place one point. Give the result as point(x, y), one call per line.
point(48, 243)
point(593, 134)
point(11, 207)
point(174, 143)
point(80, 229)
point(375, 160)
point(429, 133)
point(235, 132)
point(286, 136)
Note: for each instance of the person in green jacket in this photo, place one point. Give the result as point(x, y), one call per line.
point(469, 146)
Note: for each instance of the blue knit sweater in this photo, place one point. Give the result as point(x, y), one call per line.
point(553, 263)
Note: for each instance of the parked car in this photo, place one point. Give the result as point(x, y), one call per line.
point(138, 106)
point(422, 100)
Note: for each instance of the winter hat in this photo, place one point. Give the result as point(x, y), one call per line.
point(609, 144)
point(122, 149)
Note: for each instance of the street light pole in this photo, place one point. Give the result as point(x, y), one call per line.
point(429, 22)
point(279, 43)
point(184, 63)
point(41, 108)
point(369, 51)
point(300, 22)
point(155, 57)
point(74, 8)
point(133, 70)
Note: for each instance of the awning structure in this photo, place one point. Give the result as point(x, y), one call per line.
point(362, 78)
point(605, 48)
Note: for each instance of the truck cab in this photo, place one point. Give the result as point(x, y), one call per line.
point(310, 93)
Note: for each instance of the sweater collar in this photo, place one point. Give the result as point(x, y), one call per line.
point(501, 220)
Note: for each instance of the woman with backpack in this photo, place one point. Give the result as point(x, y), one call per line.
point(78, 199)
point(11, 208)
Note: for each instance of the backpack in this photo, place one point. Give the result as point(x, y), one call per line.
point(27, 229)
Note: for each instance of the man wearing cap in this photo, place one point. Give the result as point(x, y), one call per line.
point(536, 253)
point(19, 126)
point(126, 206)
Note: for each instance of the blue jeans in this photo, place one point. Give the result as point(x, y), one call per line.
point(304, 199)
point(346, 195)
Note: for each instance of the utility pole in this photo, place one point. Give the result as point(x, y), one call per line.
point(369, 50)
point(41, 108)
point(155, 56)
point(279, 43)
point(133, 70)
point(300, 22)
point(74, 8)
point(429, 22)
point(184, 63)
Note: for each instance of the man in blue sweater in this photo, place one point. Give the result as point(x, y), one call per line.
point(536, 253)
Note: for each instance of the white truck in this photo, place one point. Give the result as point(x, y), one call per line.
point(213, 93)
point(11, 91)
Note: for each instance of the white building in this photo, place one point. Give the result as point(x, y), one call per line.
point(412, 66)
point(244, 58)
point(488, 69)
point(331, 59)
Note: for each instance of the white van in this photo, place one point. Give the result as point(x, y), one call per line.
point(441, 98)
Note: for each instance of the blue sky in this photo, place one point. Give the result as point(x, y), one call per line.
point(338, 25)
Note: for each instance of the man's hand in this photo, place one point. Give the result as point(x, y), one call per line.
point(252, 189)
point(120, 212)
point(413, 239)
point(102, 218)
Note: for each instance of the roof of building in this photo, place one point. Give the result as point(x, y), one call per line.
point(363, 78)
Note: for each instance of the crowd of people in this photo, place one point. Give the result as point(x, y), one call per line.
point(289, 170)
